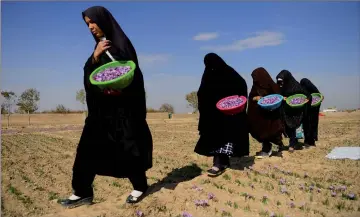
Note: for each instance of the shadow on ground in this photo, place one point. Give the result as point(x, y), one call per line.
point(175, 177)
point(242, 163)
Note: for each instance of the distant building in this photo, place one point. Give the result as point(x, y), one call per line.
point(330, 110)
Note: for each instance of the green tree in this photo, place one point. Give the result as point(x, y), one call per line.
point(192, 100)
point(81, 97)
point(6, 106)
point(28, 101)
point(61, 109)
point(166, 107)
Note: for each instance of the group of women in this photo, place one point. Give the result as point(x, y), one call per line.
point(116, 140)
point(223, 136)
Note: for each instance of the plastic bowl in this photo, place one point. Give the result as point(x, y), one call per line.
point(117, 83)
point(319, 95)
point(233, 110)
point(288, 100)
point(272, 106)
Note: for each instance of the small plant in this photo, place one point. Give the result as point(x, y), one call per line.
point(326, 202)
point(53, 195)
point(225, 213)
point(202, 203)
point(236, 206)
point(227, 177)
point(205, 181)
point(264, 199)
point(247, 208)
point(228, 203)
point(264, 213)
point(340, 205)
point(278, 203)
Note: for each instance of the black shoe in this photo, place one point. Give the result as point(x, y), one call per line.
point(132, 199)
point(214, 173)
point(67, 203)
point(262, 154)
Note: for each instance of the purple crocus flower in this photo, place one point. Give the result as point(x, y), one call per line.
point(282, 181)
point(331, 187)
point(211, 196)
point(333, 193)
point(292, 205)
point(272, 214)
point(139, 213)
point(186, 214)
point(351, 196)
point(311, 187)
point(342, 188)
point(283, 190)
point(306, 175)
point(319, 190)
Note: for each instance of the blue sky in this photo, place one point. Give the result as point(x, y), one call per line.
point(45, 45)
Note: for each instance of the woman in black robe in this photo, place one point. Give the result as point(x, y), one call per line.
point(292, 117)
point(116, 140)
point(265, 126)
point(312, 122)
point(221, 135)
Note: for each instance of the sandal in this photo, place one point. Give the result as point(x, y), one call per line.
point(216, 171)
point(73, 203)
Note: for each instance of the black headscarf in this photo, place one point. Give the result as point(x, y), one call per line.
point(312, 122)
point(264, 125)
point(121, 45)
point(309, 86)
point(216, 129)
point(292, 117)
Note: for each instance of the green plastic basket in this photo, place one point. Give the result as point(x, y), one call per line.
point(319, 102)
point(117, 83)
point(295, 96)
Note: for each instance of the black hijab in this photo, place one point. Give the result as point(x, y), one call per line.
point(216, 129)
point(292, 117)
point(312, 121)
point(290, 85)
point(218, 81)
point(309, 86)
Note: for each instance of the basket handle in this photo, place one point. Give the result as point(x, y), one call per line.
point(107, 52)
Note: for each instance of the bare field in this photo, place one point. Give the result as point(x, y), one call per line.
point(37, 165)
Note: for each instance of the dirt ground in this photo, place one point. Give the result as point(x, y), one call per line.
point(37, 165)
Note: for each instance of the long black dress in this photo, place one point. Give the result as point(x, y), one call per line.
point(292, 117)
point(311, 128)
point(215, 128)
point(116, 140)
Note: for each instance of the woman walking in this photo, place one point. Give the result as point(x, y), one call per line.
point(311, 123)
point(265, 126)
point(116, 140)
point(292, 117)
point(221, 135)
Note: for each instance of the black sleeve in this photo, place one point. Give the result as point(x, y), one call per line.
point(90, 94)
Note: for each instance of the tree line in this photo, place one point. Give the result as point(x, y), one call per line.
point(27, 103)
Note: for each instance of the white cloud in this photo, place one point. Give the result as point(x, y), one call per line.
point(206, 36)
point(153, 58)
point(261, 39)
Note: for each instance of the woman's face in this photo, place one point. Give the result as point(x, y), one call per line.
point(94, 28)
